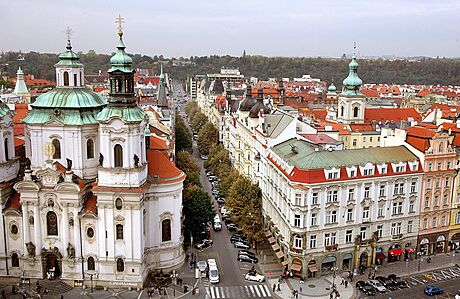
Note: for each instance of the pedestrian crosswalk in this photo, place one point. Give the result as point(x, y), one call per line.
point(246, 291)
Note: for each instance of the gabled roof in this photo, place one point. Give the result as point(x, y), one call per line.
point(161, 170)
point(391, 114)
point(13, 201)
point(91, 204)
point(319, 138)
point(419, 137)
point(276, 123)
point(361, 128)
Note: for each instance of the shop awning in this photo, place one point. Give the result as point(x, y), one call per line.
point(284, 263)
point(275, 247)
point(410, 250)
point(271, 240)
point(380, 256)
point(268, 234)
point(312, 268)
point(296, 267)
point(395, 252)
point(347, 256)
point(279, 254)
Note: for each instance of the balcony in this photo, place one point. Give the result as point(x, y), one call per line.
point(333, 247)
point(296, 251)
point(397, 237)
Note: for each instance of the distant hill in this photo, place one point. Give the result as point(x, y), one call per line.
point(430, 71)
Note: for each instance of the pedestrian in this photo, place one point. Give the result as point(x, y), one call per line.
point(62, 296)
point(343, 282)
point(300, 290)
point(279, 288)
point(193, 256)
point(274, 287)
point(191, 264)
point(370, 275)
point(346, 283)
point(185, 288)
point(296, 294)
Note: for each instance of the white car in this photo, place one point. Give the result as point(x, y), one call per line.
point(241, 245)
point(255, 277)
point(202, 265)
point(377, 285)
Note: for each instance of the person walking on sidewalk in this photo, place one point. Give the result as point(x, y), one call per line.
point(274, 287)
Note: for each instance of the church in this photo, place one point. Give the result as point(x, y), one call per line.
point(93, 200)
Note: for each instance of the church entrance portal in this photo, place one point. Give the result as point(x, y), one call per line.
point(52, 264)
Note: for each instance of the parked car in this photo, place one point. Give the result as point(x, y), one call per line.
point(368, 289)
point(212, 178)
point(388, 283)
point(239, 244)
point(396, 279)
point(254, 277)
point(247, 252)
point(433, 290)
point(202, 265)
point(238, 238)
point(204, 157)
point(247, 259)
point(232, 227)
point(377, 285)
point(220, 201)
point(360, 284)
point(209, 173)
point(203, 244)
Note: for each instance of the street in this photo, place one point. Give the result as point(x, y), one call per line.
point(232, 283)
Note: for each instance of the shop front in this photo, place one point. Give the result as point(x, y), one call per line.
point(296, 267)
point(440, 244)
point(395, 253)
point(455, 242)
point(409, 252)
point(312, 269)
point(347, 261)
point(424, 246)
point(379, 256)
point(432, 244)
point(327, 264)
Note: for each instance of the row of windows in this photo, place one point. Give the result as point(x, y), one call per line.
point(330, 238)
point(52, 227)
point(75, 76)
point(89, 149)
point(332, 215)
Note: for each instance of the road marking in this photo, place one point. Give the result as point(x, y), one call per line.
point(217, 292)
point(212, 292)
point(266, 290)
point(247, 291)
point(257, 290)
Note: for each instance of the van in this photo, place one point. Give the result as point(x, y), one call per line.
point(217, 225)
point(213, 271)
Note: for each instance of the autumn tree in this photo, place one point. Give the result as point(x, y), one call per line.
point(197, 121)
point(208, 137)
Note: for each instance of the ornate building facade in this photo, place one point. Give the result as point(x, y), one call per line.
point(113, 212)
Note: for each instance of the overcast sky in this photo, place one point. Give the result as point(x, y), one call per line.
point(265, 27)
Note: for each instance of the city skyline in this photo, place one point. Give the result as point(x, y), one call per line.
point(180, 28)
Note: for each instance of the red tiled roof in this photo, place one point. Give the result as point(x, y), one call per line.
point(319, 138)
point(419, 137)
point(391, 114)
point(157, 143)
point(14, 201)
point(361, 127)
point(338, 127)
point(370, 93)
point(318, 114)
point(21, 111)
point(18, 141)
point(62, 169)
point(161, 169)
point(91, 204)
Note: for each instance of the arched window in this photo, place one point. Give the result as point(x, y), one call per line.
point(75, 80)
point(90, 264)
point(166, 230)
point(15, 260)
point(120, 265)
point(118, 204)
point(66, 78)
point(51, 224)
point(441, 148)
point(6, 149)
point(119, 232)
point(57, 149)
point(90, 149)
point(355, 112)
point(341, 110)
point(118, 155)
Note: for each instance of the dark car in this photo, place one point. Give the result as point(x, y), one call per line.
point(368, 289)
point(247, 259)
point(220, 201)
point(396, 279)
point(247, 252)
point(238, 239)
point(232, 227)
point(360, 284)
point(203, 244)
point(388, 283)
point(228, 220)
point(433, 290)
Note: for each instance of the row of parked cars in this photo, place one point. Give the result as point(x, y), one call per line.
point(381, 284)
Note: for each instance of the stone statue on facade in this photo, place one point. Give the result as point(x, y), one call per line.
point(30, 249)
point(69, 164)
point(101, 160)
point(136, 161)
point(27, 164)
point(70, 251)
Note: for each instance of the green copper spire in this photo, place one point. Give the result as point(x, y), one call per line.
point(332, 88)
point(20, 87)
point(69, 58)
point(121, 61)
point(352, 83)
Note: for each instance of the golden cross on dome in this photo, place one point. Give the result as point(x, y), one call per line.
point(120, 21)
point(68, 32)
point(354, 48)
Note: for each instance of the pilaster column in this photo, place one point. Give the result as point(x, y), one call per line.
point(101, 232)
point(37, 230)
point(25, 222)
point(128, 231)
point(65, 228)
point(76, 233)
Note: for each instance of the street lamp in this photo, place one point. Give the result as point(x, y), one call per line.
point(334, 270)
point(174, 276)
point(91, 274)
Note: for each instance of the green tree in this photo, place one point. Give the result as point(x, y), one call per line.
point(208, 137)
point(183, 136)
point(198, 121)
point(186, 163)
point(190, 106)
point(198, 210)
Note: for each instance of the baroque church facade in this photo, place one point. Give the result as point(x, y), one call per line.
point(94, 201)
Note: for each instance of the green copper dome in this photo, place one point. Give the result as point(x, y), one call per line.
point(69, 58)
point(69, 98)
point(352, 82)
point(4, 109)
point(332, 88)
point(131, 114)
point(121, 61)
